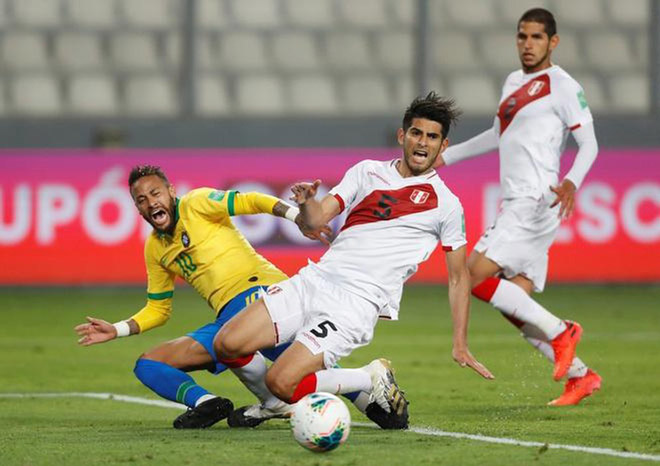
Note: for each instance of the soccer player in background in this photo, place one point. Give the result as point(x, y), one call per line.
point(398, 212)
point(194, 238)
point(540, 105)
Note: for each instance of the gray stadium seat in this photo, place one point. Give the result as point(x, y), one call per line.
point(365, 95)
point(629, 12)
point(242, 51)
point(93, 95)
point(404, 91)
point(173, 49)
point(403, 11)
point(319, 13)
point(438, 14)
point(454, 51)
point(579, 13)
point(474, 94)
point(295, 51)
point(150, 13)
point(512, 10)
point(395, 50)
point(256, 13)
point(348, 50)
point(260, 95)
point(593, 91)
point(630, 93)
point(211, 14)
point(500, 50)
point(211, 96)
point(150, 95)
point(78, 51)
point(207, 51)
point(36, 95)
point(471, 13)
point(567, 54)
point(37, 13)
point(24, 51)
point(608, 50)
point(363, 13)
point(313, 95)
point(92, 13)
point(134, 51)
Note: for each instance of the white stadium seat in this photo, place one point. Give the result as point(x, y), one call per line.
point(471, 13)
point(211, 14)
point(313, 95)
point(150, 96)
point(242, 51)
point(501, 50)
point(78, 51)
point(474, 94)
point(608, 50)
point(454, 51)
point(317, 13)
point(93, 95)
point(260, 95)
point(579, 13)
point(24, 51)
point(134, 51)
point(395, 50)
point(629, 12)
point(295, 51)
point(366, 95)
point(348, 50)
point(567, 54)
point(173, 49)
point(404, 11)
point(256, 13)
point(36, 95)
point(150, 13)
point(92, 13)
point(630, 93)
point(211, 96)
point(512, 10)
point(207, 51)
point(363, 13)
point(37, 13)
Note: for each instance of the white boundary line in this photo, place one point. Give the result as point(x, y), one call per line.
point(416, 430)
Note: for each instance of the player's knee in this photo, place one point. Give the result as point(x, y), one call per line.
point(226, 346)
point(280, 385)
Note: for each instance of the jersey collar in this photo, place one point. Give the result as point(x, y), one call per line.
point(176, 219)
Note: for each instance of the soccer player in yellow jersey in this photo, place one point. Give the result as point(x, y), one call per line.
point(194, 238)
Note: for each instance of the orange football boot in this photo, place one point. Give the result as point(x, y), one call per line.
point(564, 346)
point(578, 388)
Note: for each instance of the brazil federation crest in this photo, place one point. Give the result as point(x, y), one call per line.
point(419, 197)
point(185, 239)
point(535, 88)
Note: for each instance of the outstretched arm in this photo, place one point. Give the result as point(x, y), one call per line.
point(459, 302)
point(478, 145)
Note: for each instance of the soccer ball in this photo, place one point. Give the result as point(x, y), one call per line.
point(320, 422)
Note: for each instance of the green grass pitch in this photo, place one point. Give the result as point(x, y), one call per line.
point(38, 353)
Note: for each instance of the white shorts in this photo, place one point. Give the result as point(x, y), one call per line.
point(519, 239)
point(322, 316)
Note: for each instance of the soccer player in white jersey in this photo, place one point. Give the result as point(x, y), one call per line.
point(540, 106)
point(398, 212)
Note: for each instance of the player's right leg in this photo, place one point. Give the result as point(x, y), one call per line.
point(163, 369)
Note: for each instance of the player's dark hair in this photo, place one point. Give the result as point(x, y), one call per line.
point(145, 170)
point(542, 16)
point(432, 107)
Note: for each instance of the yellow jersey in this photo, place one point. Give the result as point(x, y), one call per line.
point(207, 251)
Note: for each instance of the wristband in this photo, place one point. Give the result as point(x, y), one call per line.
point(291, 214)
point(122, 328)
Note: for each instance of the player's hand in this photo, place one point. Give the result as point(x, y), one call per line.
point(95, 331)
point(439, 162)
point(465, 359)
point(323, 234)
point(304, 191)
point(566, 197)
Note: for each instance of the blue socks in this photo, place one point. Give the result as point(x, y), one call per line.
point(170, 383)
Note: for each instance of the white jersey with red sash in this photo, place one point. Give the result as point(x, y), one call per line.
point(393, 224)
point(536, 113)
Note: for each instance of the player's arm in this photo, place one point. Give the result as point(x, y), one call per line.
point(585, 137)
point(480, 144)
point(459, 302)
point(314, 213)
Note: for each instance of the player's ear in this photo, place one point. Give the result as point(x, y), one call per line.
point(400, 134)
point(554, 42)
point(444, 145)
point(171, 190)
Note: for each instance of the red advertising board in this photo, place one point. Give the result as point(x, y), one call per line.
point(66, 216)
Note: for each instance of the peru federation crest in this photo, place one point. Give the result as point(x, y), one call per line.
point(419, 197)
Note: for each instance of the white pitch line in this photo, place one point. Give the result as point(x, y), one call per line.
point(416, 430)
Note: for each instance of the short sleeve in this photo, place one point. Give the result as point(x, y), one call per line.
point(571, 104)
point(452, 229)
point(160, 281)
point(347, 189)
point(213, 204)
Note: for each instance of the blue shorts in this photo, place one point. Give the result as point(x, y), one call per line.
point(206, 334)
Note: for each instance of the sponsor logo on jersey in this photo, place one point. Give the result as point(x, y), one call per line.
point(217, 195)
point(535, 88)
point(419, 197)
point(582, 99)
point(185, 239)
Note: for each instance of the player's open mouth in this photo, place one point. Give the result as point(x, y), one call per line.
point(159, 217)
point(420, 156)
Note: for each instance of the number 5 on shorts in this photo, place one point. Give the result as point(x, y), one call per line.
point(322, 332)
